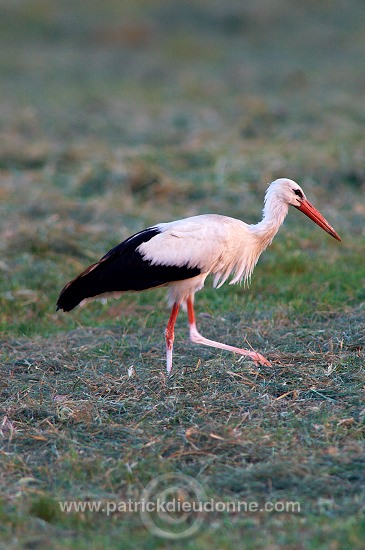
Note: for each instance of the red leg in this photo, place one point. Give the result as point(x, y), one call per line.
point(170, 335)
point(191, 313)
point(197, 338)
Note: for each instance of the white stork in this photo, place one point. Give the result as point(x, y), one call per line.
point(181, 254)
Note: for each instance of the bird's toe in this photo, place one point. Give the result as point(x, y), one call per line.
point(260, 360)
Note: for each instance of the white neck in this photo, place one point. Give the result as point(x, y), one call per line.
point(274, 213)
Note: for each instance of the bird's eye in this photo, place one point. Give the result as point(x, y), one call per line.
point(298, 193)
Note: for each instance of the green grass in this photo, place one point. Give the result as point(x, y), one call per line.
point(115, 118)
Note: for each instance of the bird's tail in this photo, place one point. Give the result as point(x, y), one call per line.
point(117, 271)
point(86, 285)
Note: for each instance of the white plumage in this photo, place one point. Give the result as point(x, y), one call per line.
point(181, 254)
point(210, 242)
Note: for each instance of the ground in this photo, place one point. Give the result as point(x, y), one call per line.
point(118, 116)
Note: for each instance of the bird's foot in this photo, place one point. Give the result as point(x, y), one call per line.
point(260, 360)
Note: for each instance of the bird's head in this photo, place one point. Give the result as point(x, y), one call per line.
point(289, 192)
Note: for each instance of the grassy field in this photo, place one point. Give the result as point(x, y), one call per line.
point(118, 115)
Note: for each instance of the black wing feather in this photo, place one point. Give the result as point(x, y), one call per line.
point(122, 268)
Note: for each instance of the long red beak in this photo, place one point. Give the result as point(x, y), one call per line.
point(308, 209)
